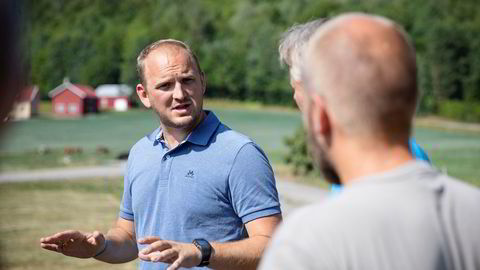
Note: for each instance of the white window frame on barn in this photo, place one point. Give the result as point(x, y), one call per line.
point(60, 107)
point(72, 108)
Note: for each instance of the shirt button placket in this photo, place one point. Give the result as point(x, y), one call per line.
point(167, 164)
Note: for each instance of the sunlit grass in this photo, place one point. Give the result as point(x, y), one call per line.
point(451, 148)
point(32, 210)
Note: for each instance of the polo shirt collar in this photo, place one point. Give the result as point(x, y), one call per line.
point(201, 134)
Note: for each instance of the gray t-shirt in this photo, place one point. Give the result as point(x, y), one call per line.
point(412, 217)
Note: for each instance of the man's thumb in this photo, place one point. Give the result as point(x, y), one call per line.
point(96, 238)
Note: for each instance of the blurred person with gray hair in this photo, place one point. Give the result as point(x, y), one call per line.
point(360, 79)
point(292, 44)
point(291, 48)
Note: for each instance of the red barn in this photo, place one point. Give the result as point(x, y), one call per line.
point(73, 99)
point(114, 96)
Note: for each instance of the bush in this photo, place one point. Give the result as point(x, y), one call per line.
point(298, 154)
point(460, 110)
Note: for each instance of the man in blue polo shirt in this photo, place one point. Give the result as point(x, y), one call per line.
point(196, 193)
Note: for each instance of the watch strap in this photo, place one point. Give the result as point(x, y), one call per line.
point(206, 250)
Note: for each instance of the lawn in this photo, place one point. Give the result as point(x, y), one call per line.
point(32, 210)
point(454, 151)
point(119, 131)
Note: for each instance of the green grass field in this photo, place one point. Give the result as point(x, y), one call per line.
point(457, 152)
point(454, 152)
point(119, 131)
point(32, 210)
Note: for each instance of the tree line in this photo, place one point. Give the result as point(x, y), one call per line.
point(97, 41)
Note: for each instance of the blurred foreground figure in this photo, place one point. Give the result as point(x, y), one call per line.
point(196, 193)
point(11, 71)
point(395, 212)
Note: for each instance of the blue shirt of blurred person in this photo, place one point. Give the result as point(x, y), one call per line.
point(417, 152)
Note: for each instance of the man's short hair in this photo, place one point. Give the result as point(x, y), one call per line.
point(367, 77)
point(158, 44)
point(293, 42)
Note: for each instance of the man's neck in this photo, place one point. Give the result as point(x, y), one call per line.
point(174, 136)
point(355, 160)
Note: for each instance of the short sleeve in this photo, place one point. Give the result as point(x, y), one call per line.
point(126, 211)
point(252, 185)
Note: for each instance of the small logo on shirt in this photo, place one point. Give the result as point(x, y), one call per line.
point(190, 174)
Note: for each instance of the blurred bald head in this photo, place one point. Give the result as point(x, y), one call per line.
point(364, 67)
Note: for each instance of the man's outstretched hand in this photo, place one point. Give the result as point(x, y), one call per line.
point(175, 253)
point(75, 243)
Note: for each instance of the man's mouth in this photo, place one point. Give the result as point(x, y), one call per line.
point(181, 106)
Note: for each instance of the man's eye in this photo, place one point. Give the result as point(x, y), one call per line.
point(163, 86)
point(188, 80)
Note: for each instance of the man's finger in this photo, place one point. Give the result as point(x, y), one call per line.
point(48, 239)
point(51, 240)
point(157, 246)
point(166, 256)
point(148, 240)
point(144, 257)
point(61, 236)
point(176, 264)
point(51, 247)
point(95, 238)
point(70, 234)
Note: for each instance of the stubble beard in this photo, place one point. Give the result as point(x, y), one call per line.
point(322, 161)
point(184, 124)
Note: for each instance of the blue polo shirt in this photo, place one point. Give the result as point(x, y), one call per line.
point(208, 186)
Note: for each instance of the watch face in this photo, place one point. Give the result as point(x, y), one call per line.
point(202, 242)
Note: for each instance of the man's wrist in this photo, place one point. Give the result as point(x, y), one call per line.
point(205, 249)
point(102, 250)
point(198, 254)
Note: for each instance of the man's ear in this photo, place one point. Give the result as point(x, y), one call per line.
point(318, 119)
point(203, 77)
point(142, 94)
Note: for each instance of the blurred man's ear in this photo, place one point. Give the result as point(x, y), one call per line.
point(298, 93)
point(318, 118)
point(143, 95)
point(204, 81)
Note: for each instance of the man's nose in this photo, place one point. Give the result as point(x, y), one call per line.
point(178, 92)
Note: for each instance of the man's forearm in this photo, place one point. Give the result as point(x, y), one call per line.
point(120, 247)
point(243, 254)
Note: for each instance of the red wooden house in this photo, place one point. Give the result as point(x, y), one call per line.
point(73, 99)
point(114, 96)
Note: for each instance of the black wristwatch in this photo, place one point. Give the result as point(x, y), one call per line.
point(206, 250)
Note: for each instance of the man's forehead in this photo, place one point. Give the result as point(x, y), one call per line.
point(169, 57)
